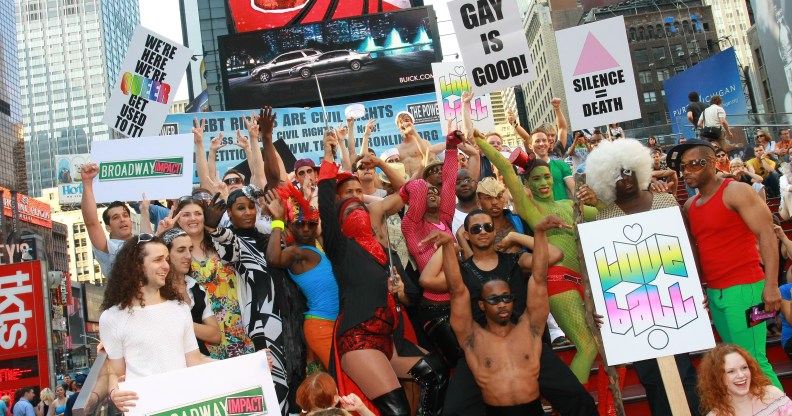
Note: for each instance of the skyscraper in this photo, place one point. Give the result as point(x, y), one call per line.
point(70, 52)
point(10, 111)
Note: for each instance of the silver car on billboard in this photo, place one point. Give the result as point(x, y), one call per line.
point(330, 61)
point(281, 64)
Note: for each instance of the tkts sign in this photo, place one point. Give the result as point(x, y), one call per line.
point(23, 343)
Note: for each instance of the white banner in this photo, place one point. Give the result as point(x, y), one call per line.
point(69, 179)
point(645, 282)
point(160, 166)
point(492, 43)
point(246, 389)
point(146, 85)
point(599, 81)
point(450, 79)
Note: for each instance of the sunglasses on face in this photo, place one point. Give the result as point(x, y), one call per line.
point(693, 166)
point(435, 170)
point(722, 155)
point(310, 224)
point(433, 190)
point(494, 300)
point(305, 172)
point(476, 229)
point(232, 181)
point(465, 181)
point(144, 238)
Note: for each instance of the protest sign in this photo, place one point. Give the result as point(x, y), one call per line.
point(492, 43)
point(146, 84)
point(246, 389)
point(450, 79)
point(645, 283)
point(159, 166)
point(303, 129)
point(69, 179)
point(598, 80)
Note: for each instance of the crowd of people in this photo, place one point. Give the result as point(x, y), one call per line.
point(432, 276)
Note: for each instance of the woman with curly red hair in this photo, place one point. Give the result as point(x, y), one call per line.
point(731, 383)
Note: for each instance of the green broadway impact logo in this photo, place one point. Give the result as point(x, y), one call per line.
point(242, 403)
point(141, 169)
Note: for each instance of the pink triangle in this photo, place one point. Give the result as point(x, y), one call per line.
point(594, 57)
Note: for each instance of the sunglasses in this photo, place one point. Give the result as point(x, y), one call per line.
point(310, 224)
point(722, 155)
point(693, 166)
point(465, 181)
point(433, 190)
point(305, 172)
point(476, 229)
point(232, 181)
point(144, 238)
point(494, 300)
point(435, 170)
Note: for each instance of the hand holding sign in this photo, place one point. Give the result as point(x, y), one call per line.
point(89, 172)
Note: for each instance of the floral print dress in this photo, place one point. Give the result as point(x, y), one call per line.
point(220, 282)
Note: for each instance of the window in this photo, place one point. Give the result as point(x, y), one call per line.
point(658, 53)
point(645, 77)
point(641, 56)
point(663, 74)
point(680, 68)
point(649, 97)
point(692, 47)
point(678, 50)
point(656, 118)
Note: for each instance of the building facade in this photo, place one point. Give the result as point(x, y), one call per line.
point(666, 37)
point(540, 34)
point(10, 108)
point(69, 54)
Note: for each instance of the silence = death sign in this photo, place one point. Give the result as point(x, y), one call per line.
point(598, 81)
point(146, 84)
point(492, 43)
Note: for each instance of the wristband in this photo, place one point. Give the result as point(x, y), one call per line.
point(277, 225)
point(111, 394)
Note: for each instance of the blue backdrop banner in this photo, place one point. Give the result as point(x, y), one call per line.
point(303, 128)
point(717, 75)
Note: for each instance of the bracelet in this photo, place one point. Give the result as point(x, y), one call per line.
point(278, 225)
point(111, 393)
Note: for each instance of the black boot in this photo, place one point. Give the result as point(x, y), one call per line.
point(393, 403)
point(440, 333)
point(432, 374)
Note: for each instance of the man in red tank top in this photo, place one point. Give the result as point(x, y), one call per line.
point(728, 217)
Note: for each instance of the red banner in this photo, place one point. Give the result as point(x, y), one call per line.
point(23, 338)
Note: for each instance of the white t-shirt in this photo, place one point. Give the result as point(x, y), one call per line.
point(459, 220)
point(712, 115)
point(152, 339)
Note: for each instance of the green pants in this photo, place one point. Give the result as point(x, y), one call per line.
point(727, 307)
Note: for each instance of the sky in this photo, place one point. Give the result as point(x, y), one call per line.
point(162, 16)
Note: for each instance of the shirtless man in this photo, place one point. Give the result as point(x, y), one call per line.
point(413, 148)
point(503, 357)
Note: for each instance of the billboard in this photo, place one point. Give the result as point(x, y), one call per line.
point(347, 57)
point(94, 296)
point(24, 360)
point(30, 210)
point(716, 75)
point(249, 15)
point(773, 20)
point(69, 179)
point(303, 129)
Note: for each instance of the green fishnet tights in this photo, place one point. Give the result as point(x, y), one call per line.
point(567, 309)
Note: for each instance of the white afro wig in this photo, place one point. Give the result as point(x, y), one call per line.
point(605, 163)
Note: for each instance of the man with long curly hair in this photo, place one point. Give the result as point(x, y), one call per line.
point(145, 327)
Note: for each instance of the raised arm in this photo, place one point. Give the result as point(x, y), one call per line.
point(253, 151)
point(539, 306)
point(96, 232)
point(524, 135)
point(214, 145)
point(273, 166)
point(333, 240)
point(561, 121)
point(201, 165)
point(276, 256)
point(467, 122)
point(449, 175)
point(461, 313)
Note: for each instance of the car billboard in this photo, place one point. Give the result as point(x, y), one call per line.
point(249, 15)
point(346, 57)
